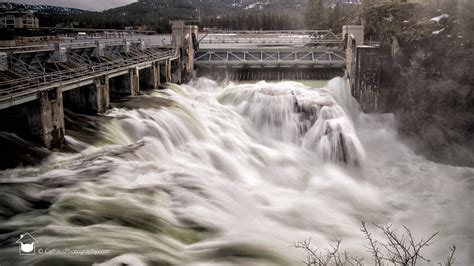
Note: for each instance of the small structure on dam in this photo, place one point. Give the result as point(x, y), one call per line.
point(37, 83)
point(363, 67)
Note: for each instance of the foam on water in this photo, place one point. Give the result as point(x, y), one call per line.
point(233, 174)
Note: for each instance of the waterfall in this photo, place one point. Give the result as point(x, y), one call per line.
point(292, 112)
point(212, 173)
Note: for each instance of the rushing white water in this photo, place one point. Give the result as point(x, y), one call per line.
point(233, 175)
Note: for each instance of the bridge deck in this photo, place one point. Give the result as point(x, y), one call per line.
point(32, 70)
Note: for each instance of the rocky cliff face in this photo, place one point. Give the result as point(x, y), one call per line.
point(428, 75)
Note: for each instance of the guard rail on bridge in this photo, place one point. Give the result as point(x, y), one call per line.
point(301, 37)
point(270, 58)
point(157, 42)
point(26, 77)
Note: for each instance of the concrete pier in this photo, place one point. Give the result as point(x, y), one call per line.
point(176, 71)
point(89, 99)
point(46, 120)
point(126, 84)
point(40, 121)
point(132, 82)
point(165, 75)
point(184, 38)
point(152, 75)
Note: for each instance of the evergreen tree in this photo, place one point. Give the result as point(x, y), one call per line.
point(314, 16)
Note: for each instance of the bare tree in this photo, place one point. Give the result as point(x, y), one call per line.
point(329, 256)
point(396, 249)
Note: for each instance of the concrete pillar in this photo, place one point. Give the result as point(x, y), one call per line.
point(128, 84)
point(133, 81)
point(166, 72)
point(90, 99)
point(178, 33)
point(175, 70)
point(353, 37)
point(102, 89)
point(353, 33)
point(45, 119)
point(184, 38)
point(153, 75)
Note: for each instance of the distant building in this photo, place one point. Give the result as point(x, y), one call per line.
point(408, 1)
point(18, 19)
point(356, 2)
point(342, 2)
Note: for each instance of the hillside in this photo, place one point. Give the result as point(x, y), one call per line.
point(156, 14)
point(40, 9)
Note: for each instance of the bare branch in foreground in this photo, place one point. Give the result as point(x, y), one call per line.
point(403, 250)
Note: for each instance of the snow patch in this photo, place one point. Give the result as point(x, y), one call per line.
point(439, 18)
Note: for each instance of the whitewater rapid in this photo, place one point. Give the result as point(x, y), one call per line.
point(225, 174)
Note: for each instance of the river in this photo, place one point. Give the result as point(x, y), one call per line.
point(234, 174)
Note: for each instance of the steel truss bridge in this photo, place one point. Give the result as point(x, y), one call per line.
point(27, 70)
point(302, 37)
point(270, 58)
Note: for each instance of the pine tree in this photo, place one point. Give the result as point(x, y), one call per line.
point(314, 16)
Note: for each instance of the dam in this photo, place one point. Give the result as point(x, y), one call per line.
point(212, 151)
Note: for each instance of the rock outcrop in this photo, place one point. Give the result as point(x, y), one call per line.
point(428, 75)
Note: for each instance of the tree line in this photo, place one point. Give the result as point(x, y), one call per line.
point(317, 15)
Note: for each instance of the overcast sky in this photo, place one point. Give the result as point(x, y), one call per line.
point(97, 5)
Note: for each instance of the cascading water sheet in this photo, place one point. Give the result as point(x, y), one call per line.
point(232, 174)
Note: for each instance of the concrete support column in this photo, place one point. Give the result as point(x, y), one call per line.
point(90, 99)
point(175, 70)
point(128, 84)
point(133, 81)
point(102, 90)
point(184, 38)
point(45, 119)
point(153, 75)
point(166, 72)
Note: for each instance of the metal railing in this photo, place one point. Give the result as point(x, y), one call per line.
point(80, 44)
point(270, 57)
point(270, 37)
point(18, 87)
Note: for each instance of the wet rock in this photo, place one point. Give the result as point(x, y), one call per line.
point(427, 78)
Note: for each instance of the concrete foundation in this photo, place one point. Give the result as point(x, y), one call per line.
point(91, 99)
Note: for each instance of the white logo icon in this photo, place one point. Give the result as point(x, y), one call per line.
point(27, 244)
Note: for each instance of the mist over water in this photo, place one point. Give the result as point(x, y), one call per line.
point(233, 174)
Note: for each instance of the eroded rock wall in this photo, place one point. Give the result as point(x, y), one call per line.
point(428, 75)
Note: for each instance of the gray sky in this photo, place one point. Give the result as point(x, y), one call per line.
point(97, 5)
